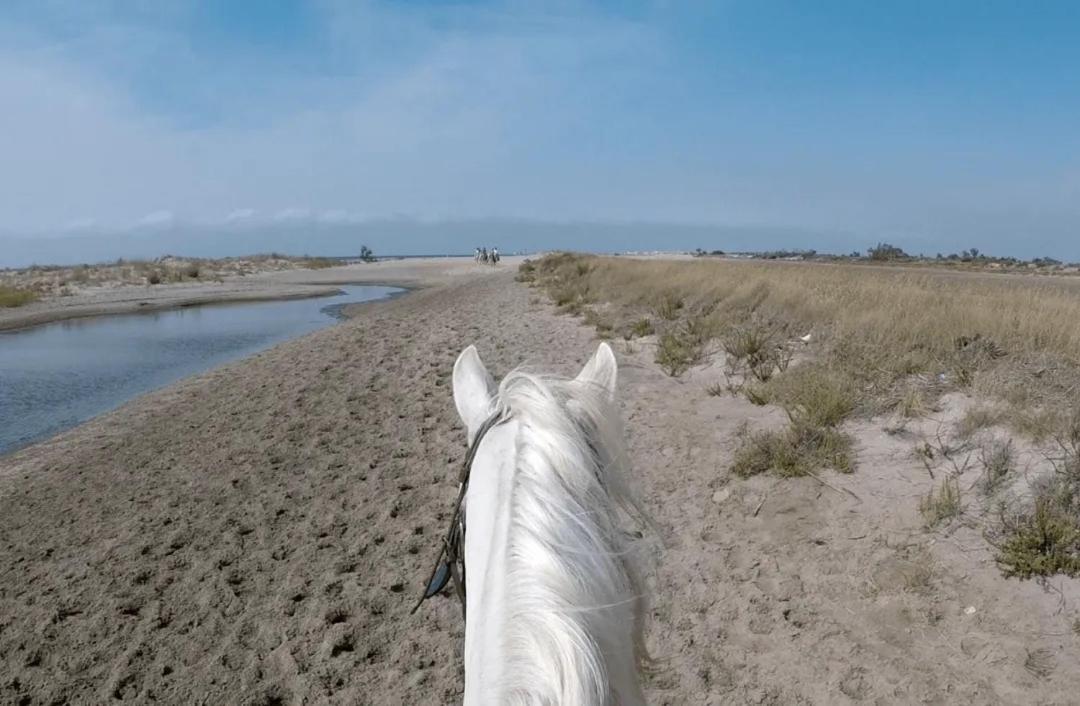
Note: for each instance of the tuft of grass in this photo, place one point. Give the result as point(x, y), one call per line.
point(642, 327)
point(752, 346)
point(797, 450)
point(1036, 424)
point(912, 403)
point(1043, 542)
point(814, 394)
point(977, 419)
point(997, 459)
point(677, 352)
point(757, 394)
point(11, 297)
point(668, 306)
point(603, 325)
point(716, 389)
point(526, 272)
point(941, 504)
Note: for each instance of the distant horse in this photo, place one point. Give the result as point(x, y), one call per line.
point(553, 599)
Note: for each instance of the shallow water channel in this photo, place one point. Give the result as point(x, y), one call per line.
point(57, 375)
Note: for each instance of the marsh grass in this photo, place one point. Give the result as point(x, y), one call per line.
point(885, 340)
point(11, 297)
point(902, 337)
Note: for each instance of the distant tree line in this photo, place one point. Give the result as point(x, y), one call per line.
point(887, 252)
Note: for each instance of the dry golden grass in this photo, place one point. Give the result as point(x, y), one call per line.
point(867, 339)
point(902, 335)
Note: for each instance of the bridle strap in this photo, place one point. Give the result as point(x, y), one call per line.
point(449, 559)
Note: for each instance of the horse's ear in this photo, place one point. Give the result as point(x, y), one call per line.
point(601, 370)
point(474, 389)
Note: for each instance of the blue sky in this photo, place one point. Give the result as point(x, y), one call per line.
point(936, 125)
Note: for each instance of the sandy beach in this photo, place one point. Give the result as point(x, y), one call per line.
point(257, 534)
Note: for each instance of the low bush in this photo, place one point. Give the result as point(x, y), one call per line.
point(797, 450)
point(11, 297)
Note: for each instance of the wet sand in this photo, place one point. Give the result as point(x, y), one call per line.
point(257, 535)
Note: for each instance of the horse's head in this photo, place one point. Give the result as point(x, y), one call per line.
point(476, 394)
point(554, 603)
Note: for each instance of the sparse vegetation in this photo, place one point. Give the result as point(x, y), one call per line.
point(48, 281)
point(1044, 539)
point(901, 337)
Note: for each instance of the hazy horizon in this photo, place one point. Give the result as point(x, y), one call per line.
point(670, 125)
point(408, 237)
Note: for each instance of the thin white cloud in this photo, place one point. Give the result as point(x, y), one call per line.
point(240, 214)
point(77, 224)
point(157, 218)
point(338, 215)
point(293, 214)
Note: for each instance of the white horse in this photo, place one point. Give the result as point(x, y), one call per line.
point(554, 602)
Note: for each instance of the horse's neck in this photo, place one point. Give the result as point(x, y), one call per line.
point(487, 529)
point(605, 619)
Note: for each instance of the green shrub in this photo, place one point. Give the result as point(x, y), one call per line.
point(642, 327)
point(676, 353)
point(11, 297)
point(1044, 542)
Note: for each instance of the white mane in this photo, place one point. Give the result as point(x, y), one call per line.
point(574, 595)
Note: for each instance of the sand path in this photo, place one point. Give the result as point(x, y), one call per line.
point(256, 535)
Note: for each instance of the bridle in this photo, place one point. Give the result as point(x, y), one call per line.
point(450, 562)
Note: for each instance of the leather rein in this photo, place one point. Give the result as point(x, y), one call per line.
point(450, 562)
